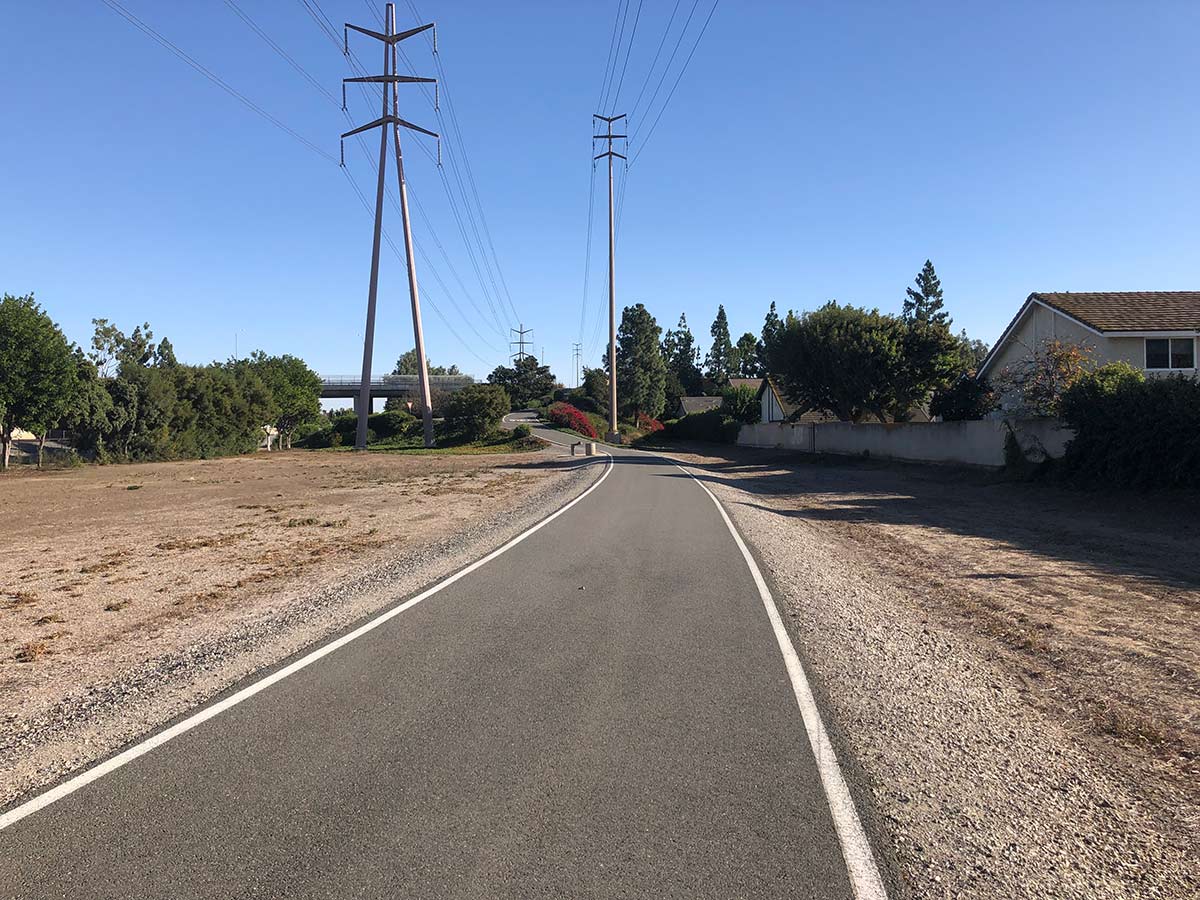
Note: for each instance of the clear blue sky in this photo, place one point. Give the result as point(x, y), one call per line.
point(812, 151)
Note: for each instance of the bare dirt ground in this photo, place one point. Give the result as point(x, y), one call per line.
point(1012, 669)
point(128, 593)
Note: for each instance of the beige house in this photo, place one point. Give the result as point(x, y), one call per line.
point(1156, 331)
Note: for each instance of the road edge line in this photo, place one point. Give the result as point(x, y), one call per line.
point(128, 755)
point(865, 878)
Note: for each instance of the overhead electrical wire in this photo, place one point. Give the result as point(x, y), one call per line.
point(214, 78)
point(329, 96)
point(163, 41)
point(315, 11)
point(642, 145)
point(621, 81)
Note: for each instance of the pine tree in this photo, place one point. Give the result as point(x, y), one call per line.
point(925, 303)
point(771, 330)
point(747, 352)
point(931, 352)
point(718, 365)
point(681, 358)
point(641, 374)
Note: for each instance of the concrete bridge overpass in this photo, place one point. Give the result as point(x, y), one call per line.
point(348, 386)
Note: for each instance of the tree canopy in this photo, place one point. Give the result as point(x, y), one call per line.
point(295, 391)
point(842, 359)
point(38, 371)
point(525, 381)
point(407, 365)
point(746, 354)
point(718, 364)
point(681, 358)
point(641, 374)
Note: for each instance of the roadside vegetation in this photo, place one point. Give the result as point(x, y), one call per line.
point(469, 422)
point(128, 398)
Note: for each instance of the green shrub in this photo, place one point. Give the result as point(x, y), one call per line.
point(521, 432)
point(1131, 431)
point(392, 422)
point(346, 426)
point(712, 426)
point(476, 410)
point(741, 403)
point(966, 398)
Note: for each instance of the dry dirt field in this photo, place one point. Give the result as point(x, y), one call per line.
point(106, 570)
point(1014, 669)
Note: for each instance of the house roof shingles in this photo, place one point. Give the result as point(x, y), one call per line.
point(755, 383)
point(1129, 310)
point(692, 405)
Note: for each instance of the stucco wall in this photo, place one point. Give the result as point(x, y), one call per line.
point(978, 443)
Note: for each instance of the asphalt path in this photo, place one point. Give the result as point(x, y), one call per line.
point(600, 711)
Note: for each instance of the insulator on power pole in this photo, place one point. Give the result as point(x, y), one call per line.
point(436, 98)
point(435, 39)
point(439, 152)
point(343, 96)
point(342, 149)
point(345, 41)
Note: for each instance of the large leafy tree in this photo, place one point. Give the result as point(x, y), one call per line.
point(37, 371)
point(476, 410)
point(681, 358)
point(641, 374)
point(524, 381)
point(932, 354)
point(840, 359)
point(746, 353)
point(718, 364)
point(294, 389)
point(407, 365)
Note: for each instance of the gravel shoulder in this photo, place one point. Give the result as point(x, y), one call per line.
point(122, 607)
point(1012, 671)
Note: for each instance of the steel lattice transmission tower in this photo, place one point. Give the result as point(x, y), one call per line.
point(390, 79)
point(613, 434)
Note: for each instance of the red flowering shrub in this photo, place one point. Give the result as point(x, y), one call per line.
point(648, 425)
point(567, 416)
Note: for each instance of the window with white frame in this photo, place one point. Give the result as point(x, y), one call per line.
point(1170, 353)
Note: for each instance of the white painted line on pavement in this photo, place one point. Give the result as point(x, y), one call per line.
point(129, 755)
point(865, 879)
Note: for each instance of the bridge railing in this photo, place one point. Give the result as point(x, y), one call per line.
point(449, 382)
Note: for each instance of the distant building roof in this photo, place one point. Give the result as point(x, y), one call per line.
point(689, 405)
point(754, 383)
point(1129, 310)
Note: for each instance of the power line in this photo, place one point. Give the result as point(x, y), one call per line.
point(165, 42)
point(314, 10)
point(608, 64)
point(654, 62)
point(323, 21)
point(587, 259)
point(214, 78)
point(633, 31)
point(662, 109)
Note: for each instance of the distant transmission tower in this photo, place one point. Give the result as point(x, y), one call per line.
point(576, 358)
point(520, 342)
point(390, 79)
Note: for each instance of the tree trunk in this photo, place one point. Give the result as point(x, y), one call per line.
point(6, 440)
point(41, 448)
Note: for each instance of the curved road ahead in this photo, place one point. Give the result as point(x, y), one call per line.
point(602, 710)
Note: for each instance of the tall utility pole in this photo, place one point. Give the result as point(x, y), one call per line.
point(390, 79)
point(520, 342)
point(576, 355)
point(613, 434)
